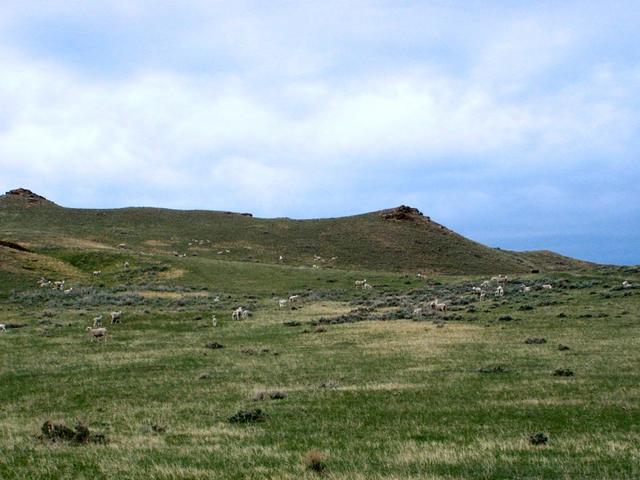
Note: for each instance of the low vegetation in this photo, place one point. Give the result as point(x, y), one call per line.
point(348, 383)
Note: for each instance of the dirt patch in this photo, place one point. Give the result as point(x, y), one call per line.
point(172, 273)
point(171, 295)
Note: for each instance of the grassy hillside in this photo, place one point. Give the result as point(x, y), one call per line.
point(358, 380)
point(401, 240)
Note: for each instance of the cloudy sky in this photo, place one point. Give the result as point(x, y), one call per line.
point(514, 123)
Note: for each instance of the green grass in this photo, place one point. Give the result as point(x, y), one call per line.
point(404, 398)
point(395, 399)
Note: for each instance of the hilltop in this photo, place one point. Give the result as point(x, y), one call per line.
point(400, 239)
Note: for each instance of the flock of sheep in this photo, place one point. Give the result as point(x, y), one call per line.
point(97, 331)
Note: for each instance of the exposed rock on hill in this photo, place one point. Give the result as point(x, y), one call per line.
point(26, 195)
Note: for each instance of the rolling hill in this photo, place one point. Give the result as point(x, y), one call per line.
point(400, 239)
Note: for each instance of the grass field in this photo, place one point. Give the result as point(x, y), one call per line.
point(349, 383)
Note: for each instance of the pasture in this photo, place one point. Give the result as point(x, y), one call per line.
point(346, 383)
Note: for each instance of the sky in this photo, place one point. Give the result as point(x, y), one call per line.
point(514, 123)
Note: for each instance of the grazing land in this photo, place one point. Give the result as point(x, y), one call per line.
point(342, 382)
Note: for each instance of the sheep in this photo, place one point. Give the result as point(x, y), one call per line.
point(115, 317)
point(3, 327)
point(244, 314)
point(294, 298)
point(58, 285)
point(282, 303)
point(95, 333)
point(525, 289)
point(437, 306)
point(97, 273)
point(485, 284)
point(68, 290)
point(417, 311)
point(122, 245)
point(477, 290)
point(626, 284)
point(281, 258)
point(315, 266)
point(499, 291)
point(97, 321)
point(500, 279)
point(214, 321)
point(367, 286)
point(126, 265)
point(238, 313)
point(360, 283)
point(546, 286)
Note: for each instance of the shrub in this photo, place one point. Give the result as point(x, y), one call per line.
point(248, 416)
point(538, 439)
point(562, 348)
point(535, 341)
point(59, 432)
point(315, 461)
point(493, 369)
point(563, 372)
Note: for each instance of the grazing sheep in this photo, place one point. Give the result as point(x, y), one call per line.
point(281, 258)
point(115, 317)
point(500, 279)
point(282, 303)
point(626, 284)
point(68, 290)
point(59, 285)
point(367, 286)
point(244, 314)
point(546, 286)
point(437, 306)
point(360, 283)
point(485, 284)
point(294, 298)
point(214, 321)
point(314, 266)
point(417, 311)
point(3, 327)
point(477, 290)
point(122, 245)
point(499, 291)
point(97, 321)
point(525, 289)
point(96, 333)
point(97, 273)
point(126, 265)
point(238, 313)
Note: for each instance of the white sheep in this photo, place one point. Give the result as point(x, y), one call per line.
point(360, 283)
point(294, 298)
point(238, 313)
point(97, 321)
point(115, 317)
point(96, 333)
point(244, 314)
point(68, 290)
point(281, 258)
point(417, 311)
point(282, 302)
point(214, 321)
point(367, 286)
point(547, 286)
point(500, 279)
point(314, 266)
point(499, 291)
point(3, 327)
point(97, 273)
point(477, 290)
point(525, 289)
point(626, 284)
point(485, 284)
point(126, 265)
point(437, 306)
